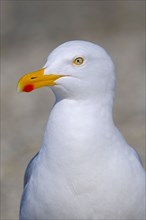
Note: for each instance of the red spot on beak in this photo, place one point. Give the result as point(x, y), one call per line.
point(28, 88)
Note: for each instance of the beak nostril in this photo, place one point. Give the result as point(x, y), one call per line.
point(33, 77)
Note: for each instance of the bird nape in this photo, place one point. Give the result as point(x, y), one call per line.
point(84, 169)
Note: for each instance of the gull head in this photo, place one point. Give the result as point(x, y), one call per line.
point(75, 69)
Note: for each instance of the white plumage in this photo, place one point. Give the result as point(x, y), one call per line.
point(84, 169)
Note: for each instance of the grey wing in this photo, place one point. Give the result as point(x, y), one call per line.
point(29, 169)
point(136, 155)
point(27, 176)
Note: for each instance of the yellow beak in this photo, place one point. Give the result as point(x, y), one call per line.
point(36, 80)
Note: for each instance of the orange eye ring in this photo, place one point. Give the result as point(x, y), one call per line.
point(78, 61)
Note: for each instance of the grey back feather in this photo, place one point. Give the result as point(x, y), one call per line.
point(29, 169)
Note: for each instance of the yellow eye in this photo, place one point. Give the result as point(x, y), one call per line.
point(78, 61)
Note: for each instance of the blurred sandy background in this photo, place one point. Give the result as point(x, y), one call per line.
point(30, 30)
